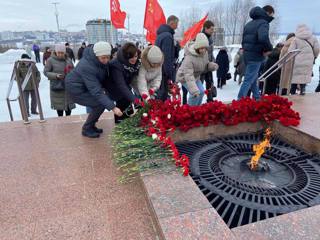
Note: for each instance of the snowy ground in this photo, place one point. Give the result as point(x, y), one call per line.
point(228, 93)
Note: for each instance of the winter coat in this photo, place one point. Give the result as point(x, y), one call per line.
point(223, 61)
point(165, 42)
point(35, 48)
point(287, 69)
point(239, 64)
point(88, 77)
point(272, 82)
point(122, 73)
point(255, 39)
point(148, 76)
point(54, 66)
point(70, 54)
point(46, 56)
point(193, 65)
point(303, 64)
point(80, 52)
point(22, 73)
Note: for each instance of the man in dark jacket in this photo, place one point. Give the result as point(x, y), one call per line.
point(84, 85)
point(81, 49)
point(165, 42)
point(70, 52)
point(208, 30)
point(257, 46)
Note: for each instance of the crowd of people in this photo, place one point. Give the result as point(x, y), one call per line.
point(113, 78)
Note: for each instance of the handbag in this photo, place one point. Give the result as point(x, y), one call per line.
point(228, 76)
point(57, 85)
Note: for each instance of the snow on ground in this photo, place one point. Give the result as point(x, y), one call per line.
point(7, 59)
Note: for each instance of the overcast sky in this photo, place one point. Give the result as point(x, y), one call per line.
point(22, 15)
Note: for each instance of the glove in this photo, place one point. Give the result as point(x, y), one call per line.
point(212, 66)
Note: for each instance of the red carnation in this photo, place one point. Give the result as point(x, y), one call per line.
point(206, 92)
point(151, 92)
point(144, 96)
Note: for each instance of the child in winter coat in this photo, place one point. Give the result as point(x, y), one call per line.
point(195, 63)
point(150, 73)
point(29, 89)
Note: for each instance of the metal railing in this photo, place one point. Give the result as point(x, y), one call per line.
point(31, 76)
point(289, 57)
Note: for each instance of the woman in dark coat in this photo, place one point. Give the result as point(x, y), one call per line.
point(223, 62)
point(85, 86)
point(123, 69)
point(272, 82)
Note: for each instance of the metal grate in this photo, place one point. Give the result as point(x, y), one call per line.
point(241, 196)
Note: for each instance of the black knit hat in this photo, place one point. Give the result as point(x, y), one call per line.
point(25, 56)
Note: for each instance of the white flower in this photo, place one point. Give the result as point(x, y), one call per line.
point(145, 115)
point(169, 116)
point(154, 136)
point(153, 122)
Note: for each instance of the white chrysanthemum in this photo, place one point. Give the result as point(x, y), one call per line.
point(154, 136)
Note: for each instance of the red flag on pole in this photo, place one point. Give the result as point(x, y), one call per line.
point(118, 17)
point(192, 32)
point(153, 18)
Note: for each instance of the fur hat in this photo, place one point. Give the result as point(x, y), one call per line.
point(201, 41)
point(25, 56)
point(102, 49)
point(60, 48)
point(155, 55)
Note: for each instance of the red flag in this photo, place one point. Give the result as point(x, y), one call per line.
point(117, 16)
point(153, 18)
point(192, 32)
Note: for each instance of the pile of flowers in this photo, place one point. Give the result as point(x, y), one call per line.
point(158, 119)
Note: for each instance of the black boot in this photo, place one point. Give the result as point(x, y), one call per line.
point(98, 130)
point(90, 133)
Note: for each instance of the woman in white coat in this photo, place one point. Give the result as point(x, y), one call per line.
point(303, 65)
point(150, 73)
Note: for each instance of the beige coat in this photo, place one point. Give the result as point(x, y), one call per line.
point(148, 77)
point(286, 71)
point(303, 65)
point(192, 67)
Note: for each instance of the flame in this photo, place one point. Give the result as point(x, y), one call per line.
point(260, 148)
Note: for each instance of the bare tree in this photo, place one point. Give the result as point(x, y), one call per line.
point(244, 17)
point(188, 18)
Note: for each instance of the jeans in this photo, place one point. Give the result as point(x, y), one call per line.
point(196, 101)
point(250, 80)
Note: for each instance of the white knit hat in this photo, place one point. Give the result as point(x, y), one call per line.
point(102, 49)
point(60, 48)
point(155, 55)
point(201, 41)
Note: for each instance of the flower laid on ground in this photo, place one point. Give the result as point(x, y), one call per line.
point(158, 119)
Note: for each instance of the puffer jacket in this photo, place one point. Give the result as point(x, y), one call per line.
point(60, 100)
point(148, 76)
point(89, 76)
point(192, 67)
point(309, 46)
point(256, 35)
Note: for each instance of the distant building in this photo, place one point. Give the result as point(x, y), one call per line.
point(6, 36)
point(101, 30)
